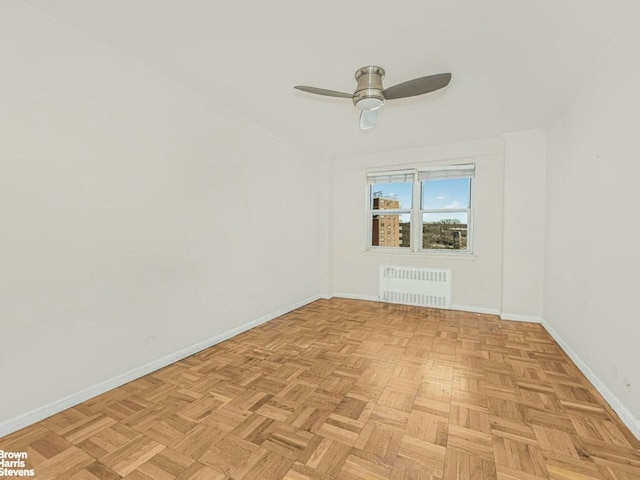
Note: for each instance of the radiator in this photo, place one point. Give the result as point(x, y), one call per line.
point(425, 287)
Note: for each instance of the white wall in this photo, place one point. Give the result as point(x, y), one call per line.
point(591, 250)
point(523, 227)
point(137, 218)
point(476, 279)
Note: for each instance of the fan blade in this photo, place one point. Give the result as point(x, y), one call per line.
point(322, 91)
point(417, 86)
point(368, 119)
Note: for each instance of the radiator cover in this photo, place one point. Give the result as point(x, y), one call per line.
point(425, 287)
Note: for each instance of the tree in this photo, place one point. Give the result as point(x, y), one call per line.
point(448, 233)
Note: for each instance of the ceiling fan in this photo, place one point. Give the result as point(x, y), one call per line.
point(370, 96)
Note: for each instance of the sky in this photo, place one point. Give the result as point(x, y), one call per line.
point(437, 194)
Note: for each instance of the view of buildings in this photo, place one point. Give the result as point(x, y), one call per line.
point(386, 229)
point(389, 230)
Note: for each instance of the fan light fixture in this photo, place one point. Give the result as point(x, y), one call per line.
point(370, 103)
point(370, 95)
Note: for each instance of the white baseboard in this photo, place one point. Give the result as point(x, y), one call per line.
point(376, 298)
point(468, 308)
point(517, 317)
point(40, 413)
point(628, 418)
point(356, 296)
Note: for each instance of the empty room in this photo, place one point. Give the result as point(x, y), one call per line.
point(336, 241)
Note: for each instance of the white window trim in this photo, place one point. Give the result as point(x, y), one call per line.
point(416, 214)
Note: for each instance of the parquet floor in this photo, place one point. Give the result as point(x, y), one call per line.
point(345, 390)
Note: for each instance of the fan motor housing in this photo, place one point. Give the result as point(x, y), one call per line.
point(369, 87)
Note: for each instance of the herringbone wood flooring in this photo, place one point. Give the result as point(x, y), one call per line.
point(343, 390)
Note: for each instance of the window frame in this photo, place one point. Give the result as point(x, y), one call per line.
point(416, 212)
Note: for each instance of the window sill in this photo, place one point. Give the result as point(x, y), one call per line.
point(403, 252)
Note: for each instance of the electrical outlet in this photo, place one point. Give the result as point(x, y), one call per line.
point(150, 339)
point(626, 382)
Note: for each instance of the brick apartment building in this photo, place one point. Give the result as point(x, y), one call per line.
point(386, 231)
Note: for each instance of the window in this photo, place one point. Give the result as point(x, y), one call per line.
point(390, 204)
point(436, 199)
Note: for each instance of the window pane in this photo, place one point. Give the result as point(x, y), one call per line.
point(391, 230)
point(389, 196)
point(444, 194)
point(445, 230)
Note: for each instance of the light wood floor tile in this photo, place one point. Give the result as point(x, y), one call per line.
point(345, 390)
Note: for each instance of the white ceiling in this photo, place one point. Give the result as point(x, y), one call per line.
point(513, 62)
